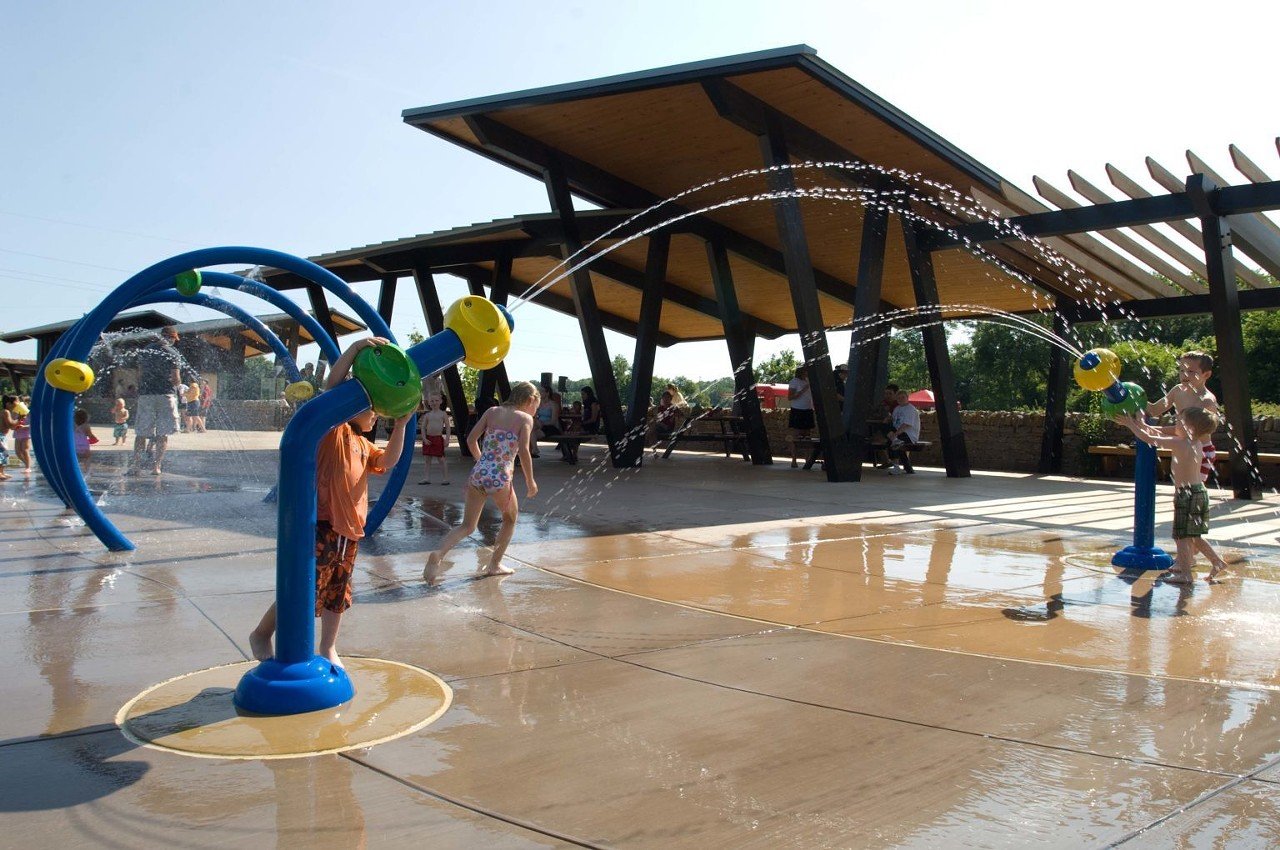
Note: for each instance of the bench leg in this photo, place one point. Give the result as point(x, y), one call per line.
point(814, 451)
point(906, 463)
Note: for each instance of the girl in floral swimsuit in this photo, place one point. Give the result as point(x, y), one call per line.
point(506, 431)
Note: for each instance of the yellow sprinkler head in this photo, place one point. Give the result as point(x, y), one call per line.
point(1106, 373)
point(70, 375)
point(299, 391)
point(483, 329)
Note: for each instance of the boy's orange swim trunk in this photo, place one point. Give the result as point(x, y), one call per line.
point(335, 562)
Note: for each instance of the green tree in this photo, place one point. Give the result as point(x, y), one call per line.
point(778, 369)
point(1262, 352)
point(906, 360)
point(415, 336)
point(622, 376)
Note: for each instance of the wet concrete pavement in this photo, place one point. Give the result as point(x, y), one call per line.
point(696, 653)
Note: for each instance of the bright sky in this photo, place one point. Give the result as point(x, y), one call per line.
point(132, 131)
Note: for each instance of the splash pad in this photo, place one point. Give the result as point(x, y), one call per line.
point(296, 680)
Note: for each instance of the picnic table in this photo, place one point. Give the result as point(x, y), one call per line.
point(732, 435)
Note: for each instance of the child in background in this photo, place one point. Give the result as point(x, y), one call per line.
point(84, 438)
point(1190, 499)
point(120, 416)
point(506, 430)
point(343, 463)
point(22, 433)
point(435, 436)
point(8, 422)
point(1194, 369)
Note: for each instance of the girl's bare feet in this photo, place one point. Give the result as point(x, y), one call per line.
point(1219, 573)
point(332, 656)
point(260, 646)
point(1178, 577)
point(496, 570)
point(433, 569)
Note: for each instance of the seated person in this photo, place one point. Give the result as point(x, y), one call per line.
point(906, 432)
point(667, 417)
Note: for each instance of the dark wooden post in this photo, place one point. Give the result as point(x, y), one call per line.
point(841, 464)
point(320, 307)
point(495, 378)
point(387, 297)
point(1231, 368)
point(655, 274)
point(740, 340)
point(955, 455)
point(430, 300)
point(865, 343)
point(1055, 408)
point(589, 322)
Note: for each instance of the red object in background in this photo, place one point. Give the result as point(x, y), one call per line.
point(770, 394)
point(93, 441)
point(922, 399)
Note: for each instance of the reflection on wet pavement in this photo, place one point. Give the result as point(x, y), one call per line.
point(953, 666)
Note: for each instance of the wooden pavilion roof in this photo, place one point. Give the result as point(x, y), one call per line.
point(629, 142)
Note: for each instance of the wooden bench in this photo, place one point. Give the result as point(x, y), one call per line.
point(730, 442)
point(1222, 462)
point(569, 443)
point(904, 452)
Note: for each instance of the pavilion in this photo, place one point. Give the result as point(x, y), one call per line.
point(801, 263)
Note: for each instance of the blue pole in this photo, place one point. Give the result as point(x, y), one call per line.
point(296, 680)
point(1143, 554)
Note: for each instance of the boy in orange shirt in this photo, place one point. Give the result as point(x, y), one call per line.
point(343, 463)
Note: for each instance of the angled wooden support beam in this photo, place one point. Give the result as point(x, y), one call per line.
point(867, 340)
point(494, 385)
point(841, 464)
point(589, 319)
point(320, 307)
point(1055, 408)
point(1236, 203)
point(1154, 237)
point(1062, 200)
point(1155, 308)
point(608, 190)
point(429, 297)
point(387, 297)
point(655, 275)
point(1231, 366)
point(741, 343)
point(628, 276)
point(1185, 229)
point(955, 455)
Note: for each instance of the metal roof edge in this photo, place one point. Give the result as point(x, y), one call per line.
point(652, 78)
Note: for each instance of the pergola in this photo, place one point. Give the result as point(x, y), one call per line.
point(794, 261)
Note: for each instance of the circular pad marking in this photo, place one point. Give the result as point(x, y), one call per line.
point(193, 714)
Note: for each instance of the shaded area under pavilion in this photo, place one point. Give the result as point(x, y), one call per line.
point(794, 264)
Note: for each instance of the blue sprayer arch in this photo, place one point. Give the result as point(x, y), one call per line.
point(52, 409)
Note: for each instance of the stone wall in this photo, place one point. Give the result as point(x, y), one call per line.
point(1010, 442)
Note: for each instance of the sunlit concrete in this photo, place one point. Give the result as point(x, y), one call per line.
point(697, 653)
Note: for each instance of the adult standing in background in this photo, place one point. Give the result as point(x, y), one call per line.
point(158, 380)
point(800, 419)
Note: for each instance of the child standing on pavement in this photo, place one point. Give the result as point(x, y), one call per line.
point(120, 415)
point(343, 463)
point(1190, 499)
point(506, 430)
point(435, 436)
point(1194, 369)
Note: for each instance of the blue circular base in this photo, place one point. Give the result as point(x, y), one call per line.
point(276, 688)
point(1142, 558)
